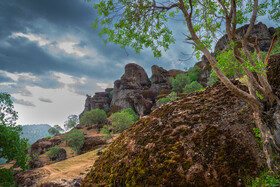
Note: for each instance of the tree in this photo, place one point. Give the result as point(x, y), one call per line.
point(142, 23)
point(55, 130)
point(95, 116)
point(71, 122)
point(75, 139)
point(122, 120)
point(12, 147)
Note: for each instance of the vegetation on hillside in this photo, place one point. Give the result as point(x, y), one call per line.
point(71, 122)
point(75, 139)
point(12, 147)
point(55, 130)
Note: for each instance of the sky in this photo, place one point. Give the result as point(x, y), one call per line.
point(51, 57)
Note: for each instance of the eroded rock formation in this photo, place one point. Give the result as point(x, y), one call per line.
point(128, 90)
point(43, 145)
point(160, 79)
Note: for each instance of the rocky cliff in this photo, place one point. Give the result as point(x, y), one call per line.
point(202, 139)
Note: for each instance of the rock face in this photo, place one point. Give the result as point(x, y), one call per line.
point(36, 163)
point(100, 100)
point(128, 90)
point(260, 30)
point(43, 145)
point(160, 79)
point(273, 72)
point(92, 142)
point(202, 139)
point(60, 156)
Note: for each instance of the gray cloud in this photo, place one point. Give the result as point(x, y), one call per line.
point(46, 100)
point(23, 102)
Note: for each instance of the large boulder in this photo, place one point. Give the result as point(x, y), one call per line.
point(43, 145)
point(92, 142)
point(202, 139)
point(128, 90)
point(36, 163)
point(160, 79)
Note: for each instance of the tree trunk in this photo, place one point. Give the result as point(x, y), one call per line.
point(269, 123)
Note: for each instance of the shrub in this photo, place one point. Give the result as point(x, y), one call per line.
point(53, 152)
point(75, 139)
point(111, 94)
point(105, 130)
point(6, 177)
point(172, 96)
point(95, 116)
point(162, 101)
point(179, 82)
point(48, 137)
point(71, 122)
point(131, 112)
point(266, 178)
point(194, 86)
point(35, 155)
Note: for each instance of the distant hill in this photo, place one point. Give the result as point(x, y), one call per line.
point(35, 132)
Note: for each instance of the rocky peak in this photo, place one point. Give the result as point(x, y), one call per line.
point(134, 77)
point(160, 79)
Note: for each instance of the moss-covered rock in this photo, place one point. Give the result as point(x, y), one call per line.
point(202, 139)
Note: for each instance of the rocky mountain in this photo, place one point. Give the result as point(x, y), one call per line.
point(35, 132)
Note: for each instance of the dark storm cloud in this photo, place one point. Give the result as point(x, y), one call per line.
point(61, 20)
point(46, 100)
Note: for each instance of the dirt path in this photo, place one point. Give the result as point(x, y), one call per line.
point(75, 167)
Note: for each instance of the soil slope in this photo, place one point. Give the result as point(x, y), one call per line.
point(202, 139)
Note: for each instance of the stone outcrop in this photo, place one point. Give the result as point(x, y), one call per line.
point(99, 100)
point(127, 91)
point(160, 79)
point(60, 156)
point(260, 30)
point(202, 139)
point(174, 72)
point(43, 145)
point(273, 72)
point(92, 142)
point(36, 163)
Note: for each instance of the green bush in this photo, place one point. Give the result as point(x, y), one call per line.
point(6, 177)
point(172, 96)
point(75, 139)
point(194, 86)
point(131, 112)
point(48, 137)
point(162, 101)
point(111, 94)
point(35, 155)
point(122, 120)
point(179, 82)
point(266, 178)
point(105, 130)
point(53, 152)
point(95, 116)
point(55, 130)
